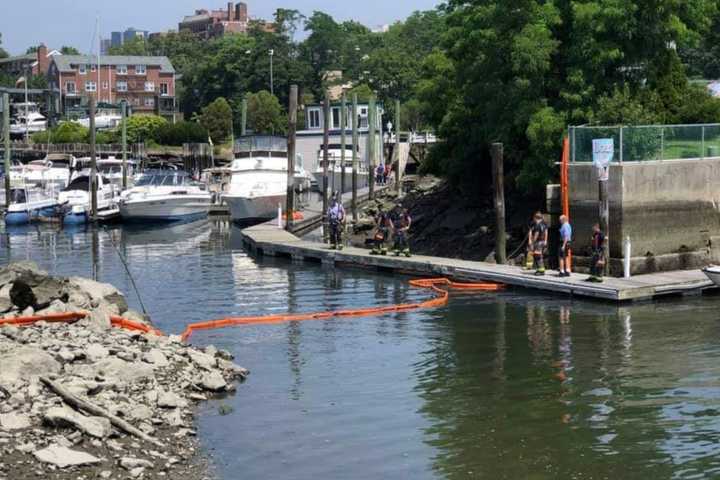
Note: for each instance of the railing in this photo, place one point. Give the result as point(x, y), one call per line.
point(648, 142)
point(73, 148)
point(413, 137)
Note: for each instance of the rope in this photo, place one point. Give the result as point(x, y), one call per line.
point(127, 269)
point(517, 250)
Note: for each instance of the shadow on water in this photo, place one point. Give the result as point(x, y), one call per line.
point(510, 385)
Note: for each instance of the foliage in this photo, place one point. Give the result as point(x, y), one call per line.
point(143, 128)
point(363, 92)
point(64, 132)
point(66, 50)
point(217, 119)
point(3, 52)
point(265, 115)
point(30, 50)
point(181, 132)
point(134, 46)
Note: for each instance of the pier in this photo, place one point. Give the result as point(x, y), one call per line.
point(269, 240)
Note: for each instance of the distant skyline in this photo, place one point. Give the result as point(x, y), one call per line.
point(72, 22)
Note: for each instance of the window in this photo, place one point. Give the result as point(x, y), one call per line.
point(314, 118)
point(121, 69)
point(82, 69)
point(139, 69)
point(336, 117)
point(136, 101)
point(149, 86)
point(105, 85)
point(93, 68)
point(70, 88)
point(363, 118)
point(164, 89)
point(90, 86)
point(121, 86)
point(149, 102)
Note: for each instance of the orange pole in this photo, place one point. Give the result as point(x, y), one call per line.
point(565, 188)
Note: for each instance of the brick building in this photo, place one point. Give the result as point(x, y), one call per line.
point(146, 83)
point(36, 63)
point(216, 23)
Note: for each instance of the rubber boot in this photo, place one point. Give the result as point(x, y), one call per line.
point(406, 252)
point(383, 251)
point(374, 251)
point(529, 261)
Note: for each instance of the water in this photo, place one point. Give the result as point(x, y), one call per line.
point(510, 385)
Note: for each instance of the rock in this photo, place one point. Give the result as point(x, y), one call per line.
point(65, 355)
point(134, 316)
point(56, 306)
point(97, 292)
point(156, 357)
point(47, 290)
point(213, 381)
point(202, 360)
point(168, 399)
point(26, 362)
point(100, 319)
point(115, 370)
point(105, 474)
point(28, 312)
point(95, 352)
point(174, 418)
point(129, 463)
point(140, 412)
point(98, 427)
point(26, 271)
point(136, 472)
point(63, 457)
point(5, 302)
point(22, 295)
point(14, 421)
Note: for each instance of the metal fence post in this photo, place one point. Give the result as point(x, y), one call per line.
point(622, 145)
point(662, 143)
point(702, 144)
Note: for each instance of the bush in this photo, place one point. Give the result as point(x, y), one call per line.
point(182, 132)
point(142, 128)
point(65, 132)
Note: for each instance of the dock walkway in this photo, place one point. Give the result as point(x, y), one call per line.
point(268, 239)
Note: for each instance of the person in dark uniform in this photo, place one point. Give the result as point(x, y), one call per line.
point(539, 236)
point(597, 250)
point(383, 227)
point(402, 227)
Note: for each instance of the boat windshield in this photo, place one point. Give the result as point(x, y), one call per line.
point(109, 168)
point(266, 144)
point(80, 183)
point(165, 179)
point(18, 195)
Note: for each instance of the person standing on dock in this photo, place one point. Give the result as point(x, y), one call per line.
point(539, 237)
point(402, 228)
point(336, 218)
point(383, 227)
point(564, 250)
point(597, 262)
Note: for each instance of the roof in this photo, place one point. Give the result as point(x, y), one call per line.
point(65, 62)
point(27, 57)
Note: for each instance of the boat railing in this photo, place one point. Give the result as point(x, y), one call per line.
point(260, 145)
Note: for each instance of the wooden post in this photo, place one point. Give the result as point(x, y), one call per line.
point(604, 220)
point(292, 124)
point(243, 119)
point(93, 162)
point(354, 156)
point(499, 193)
point(398, 172)
point(6, 134)
point(371, 148)
point(343, 126)
point(123, 109)
point(326, 161)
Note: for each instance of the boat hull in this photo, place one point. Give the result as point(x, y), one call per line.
point(166, 209)
point(335, 180)
point(246, 209)
point(22, 217)
point(713, 273)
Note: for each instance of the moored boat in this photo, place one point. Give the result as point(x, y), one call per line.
point(28, 203)
point(335, 169)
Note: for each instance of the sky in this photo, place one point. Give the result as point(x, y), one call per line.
point(72, 22)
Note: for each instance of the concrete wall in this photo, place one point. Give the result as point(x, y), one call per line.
point(669, 209)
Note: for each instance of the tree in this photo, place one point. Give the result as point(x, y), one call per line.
point(144, 128)
point(65, 50)
point(134, 46)
point(265, 115)
point(31, 50)
point(64, 132)
point(217, 119)
point(3, 52)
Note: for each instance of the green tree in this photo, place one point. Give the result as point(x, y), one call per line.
point(134, 46)
point(3, 52)
point(64, 132)
point(217, 119)
point(30, 50)
point(144, 128)
point(66, 50)
point(265, 115)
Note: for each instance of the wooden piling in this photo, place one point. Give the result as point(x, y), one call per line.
point(243, 118)
point(398, 172)
point(292, 128)
point(343, 126)
point(6, 134)
point(326, 161)
point(371, 147)
point(354, 157)
point(93, 163)
point(123, 110)
point(499, 193)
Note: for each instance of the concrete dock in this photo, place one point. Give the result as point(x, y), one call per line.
point(267, 239)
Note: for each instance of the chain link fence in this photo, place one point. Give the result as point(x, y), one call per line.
point(649, 142)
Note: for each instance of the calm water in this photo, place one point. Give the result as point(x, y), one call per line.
point(512, 386)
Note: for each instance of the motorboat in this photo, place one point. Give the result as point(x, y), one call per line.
point(165, 196)
point(105, 118)
point(76, 200)
point(27, 120)
point(51, 172)
point(713, 273)
point(28, 203)
point(218, 181)
point(258, 182)
point(335, 170)
point(111, 168)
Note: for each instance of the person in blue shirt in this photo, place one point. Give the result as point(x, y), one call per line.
point(565, 239)
point(336, 219)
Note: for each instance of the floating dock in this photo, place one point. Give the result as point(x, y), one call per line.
point(268, 239)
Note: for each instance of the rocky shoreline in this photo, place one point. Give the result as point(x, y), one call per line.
point(85, 400)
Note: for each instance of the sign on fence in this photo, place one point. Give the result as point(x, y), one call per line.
point(603, 151)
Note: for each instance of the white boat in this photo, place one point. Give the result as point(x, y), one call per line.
point(27, 120)
point(52, 172)
point(335, 173)
point(258, 181)
point(28, 203)
point(112, 169)
point(713, 273)
point(103, 121)
point(165, 196)
point(76, 198)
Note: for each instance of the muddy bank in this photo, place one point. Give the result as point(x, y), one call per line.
point(87, 400)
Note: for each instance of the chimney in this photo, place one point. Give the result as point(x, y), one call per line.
point(230, 11)
point(43, 60)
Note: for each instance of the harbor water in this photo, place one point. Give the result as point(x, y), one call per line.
point(509, 385)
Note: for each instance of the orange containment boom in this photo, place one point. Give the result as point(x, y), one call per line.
point(429, 283)
point(71, 317)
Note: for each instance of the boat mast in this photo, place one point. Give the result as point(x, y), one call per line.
point(98, 59)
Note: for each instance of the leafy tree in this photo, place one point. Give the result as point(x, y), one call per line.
point(181, 132)
point(64, 132)
point(265, 115)
point(217, 119)
point(31, 50)
point(363, 92)
point(3, 52)
point(134, 46)
point(66, 50)
point(144, 128)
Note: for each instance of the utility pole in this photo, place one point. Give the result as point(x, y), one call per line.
point(93, 162)
point(343, 126)
point(123, 110)
point(326, 161)
point(6, 134)
point(371, 147)
point(499, 193)
point(292, 124)
point(398, 171)
point(354, 156)
point(243, 126)
point(272, 88)
point(604, 219)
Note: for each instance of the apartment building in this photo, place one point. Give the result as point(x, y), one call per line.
point(146, 83)
point(216, 23)
point(36, 63)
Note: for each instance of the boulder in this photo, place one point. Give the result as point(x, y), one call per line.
point(25, 271)
point(202, 360)
point(114, 370)
point(5, 301)
point(79, 301)
point(47, 290)
point(156, 358)
point(168, 399)
point(14, 421)
point(97, 427)
point(21, 295)
point(63, 457)
point(27, 362)
point(135, 316)
point(100, 319)
point(97, 292)
point(130, 463)
point(56, 306)
point(95, 352)
point(213, 381)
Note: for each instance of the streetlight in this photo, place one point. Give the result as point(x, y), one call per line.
point(272, 89)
